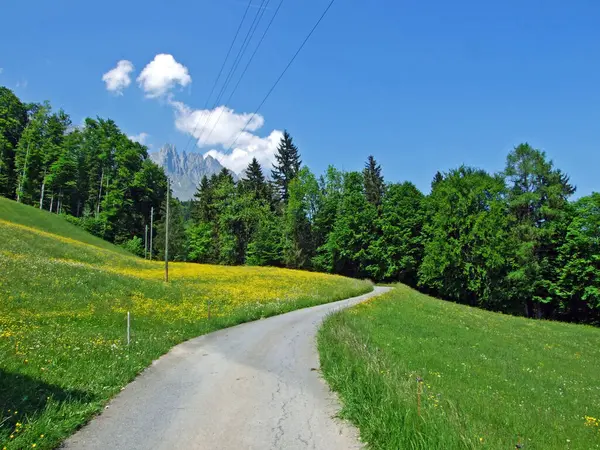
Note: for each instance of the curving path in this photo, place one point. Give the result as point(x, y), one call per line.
point(253, 386)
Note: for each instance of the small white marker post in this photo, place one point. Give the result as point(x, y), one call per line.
point(128, 326)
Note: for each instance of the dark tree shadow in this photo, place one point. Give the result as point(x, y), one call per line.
point(28, 397)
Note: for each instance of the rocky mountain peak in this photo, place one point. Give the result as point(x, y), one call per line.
point(185, 169)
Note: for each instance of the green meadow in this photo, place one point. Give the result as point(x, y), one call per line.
point(64, 298)
point(414, 372)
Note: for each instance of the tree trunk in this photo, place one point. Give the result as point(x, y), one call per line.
point(22, 180)
point(42, 193)
point(99, 194)
point(51, 202)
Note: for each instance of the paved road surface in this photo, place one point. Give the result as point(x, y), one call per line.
point(253, 386)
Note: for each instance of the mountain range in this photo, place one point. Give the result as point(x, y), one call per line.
point(185, 170)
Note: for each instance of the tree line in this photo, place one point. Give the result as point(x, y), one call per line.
point(94, 174)
point(513, 241)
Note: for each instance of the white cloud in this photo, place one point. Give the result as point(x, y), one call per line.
point(199, 124)
point(1, 70)
point(22, 84)
point(141, 138)
point(263, 149)
point(162, 74)
point(218, 126)
point(118, 78)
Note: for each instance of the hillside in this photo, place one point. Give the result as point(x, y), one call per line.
point(64, 298)
point(487, 380)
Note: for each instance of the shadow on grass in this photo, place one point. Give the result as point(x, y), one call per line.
point(22, 396)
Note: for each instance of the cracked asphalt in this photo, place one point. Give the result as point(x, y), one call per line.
point(253, 386)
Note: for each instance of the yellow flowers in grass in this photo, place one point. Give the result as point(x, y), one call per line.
point(63, 307)
point(591, 421)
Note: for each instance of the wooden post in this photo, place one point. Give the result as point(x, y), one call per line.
point(128, 327)
point(167, 234)
point(419, 392)
point(151, 229)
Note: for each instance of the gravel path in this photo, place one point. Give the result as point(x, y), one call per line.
point(253, 386)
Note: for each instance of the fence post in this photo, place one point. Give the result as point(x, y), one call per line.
point(128, 327)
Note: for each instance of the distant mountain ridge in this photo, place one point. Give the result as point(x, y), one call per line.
point(185, 169)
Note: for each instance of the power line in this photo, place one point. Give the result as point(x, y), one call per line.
point(249, 35)
point(246, 68)
point(221, 70)
point(282, 74)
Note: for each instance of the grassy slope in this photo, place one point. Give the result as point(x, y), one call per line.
point(489, 380)
point(64, 296)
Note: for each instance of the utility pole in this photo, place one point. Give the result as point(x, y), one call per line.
point(167, 234)
point(146, 243)
point(151, 229)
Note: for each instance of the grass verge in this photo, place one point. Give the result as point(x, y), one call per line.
point(489, 381)
point(64, 298)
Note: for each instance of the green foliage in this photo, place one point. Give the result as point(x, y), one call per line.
point(200, 243)
point(299, 213)
point(578, 285)
point(399, 249)
point(13, 119)
point(265, 246)
point(254, 182)
point(328, 202)
point(134, 245)
point(510, 241)
point(347, 247)
point(490, 381)
point(373, 182)
point(287, 165)
point(94, 173)
point(537, 200)
point(467, 245)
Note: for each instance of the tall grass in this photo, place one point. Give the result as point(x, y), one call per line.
point(64, 298)
point(489, 381)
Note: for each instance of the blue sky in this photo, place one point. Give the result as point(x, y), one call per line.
point(422, 85)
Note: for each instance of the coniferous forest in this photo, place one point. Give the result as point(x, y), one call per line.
point(514, 241)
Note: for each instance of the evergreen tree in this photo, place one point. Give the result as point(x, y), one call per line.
point(254, 181)
point(398, 251)
point(202, 206)
point(265, 246)
point(287, 165)
point(538, 199)
point(438, 177)
point(373, 182)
